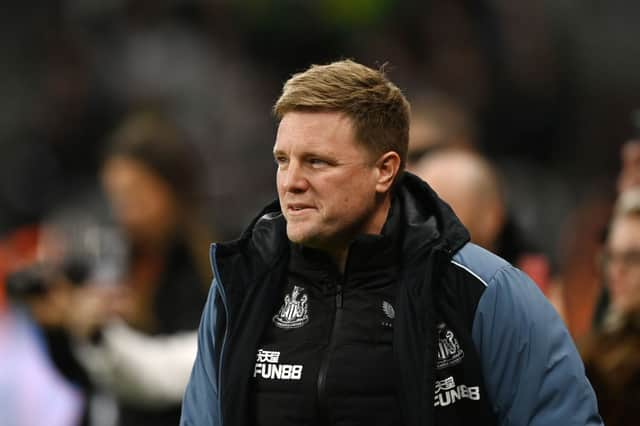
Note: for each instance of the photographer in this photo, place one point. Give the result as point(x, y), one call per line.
point(92, 347)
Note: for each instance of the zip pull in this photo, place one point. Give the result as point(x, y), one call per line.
point(339, 296)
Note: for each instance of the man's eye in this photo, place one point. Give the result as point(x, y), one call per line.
point(280, 160)
point(317, 162)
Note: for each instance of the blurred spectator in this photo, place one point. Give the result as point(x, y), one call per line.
point(438, 121)
point(586, 299)
point(611, 354)
point(130, 330)
point(620, 257)
point(470, 184)
point(628, 179)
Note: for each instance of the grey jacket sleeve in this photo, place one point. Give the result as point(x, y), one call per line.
point(200, 402)
point(533, 373)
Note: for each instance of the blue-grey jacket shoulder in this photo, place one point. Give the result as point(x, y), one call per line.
point(480, 263)
point(532, 370)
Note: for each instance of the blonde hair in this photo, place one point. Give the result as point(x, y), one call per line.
point(377, 108)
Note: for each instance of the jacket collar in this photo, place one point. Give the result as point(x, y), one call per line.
point(428, 219)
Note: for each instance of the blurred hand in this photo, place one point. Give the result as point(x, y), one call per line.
point(91, 307)
point(50, 308)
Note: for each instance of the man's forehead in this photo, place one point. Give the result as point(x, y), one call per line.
point(320, 122)
point(313, 130)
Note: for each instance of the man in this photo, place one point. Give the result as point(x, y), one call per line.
point(621, 257)
point(470, 184)
point(611, 352)
point(357, 299)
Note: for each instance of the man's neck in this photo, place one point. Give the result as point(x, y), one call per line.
point(341, 259)
point(341, 253)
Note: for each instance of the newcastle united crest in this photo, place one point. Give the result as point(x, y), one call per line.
point(294, 313)
point(449, 351)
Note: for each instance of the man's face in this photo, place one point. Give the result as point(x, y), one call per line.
point(326, 180)
point(622, 263)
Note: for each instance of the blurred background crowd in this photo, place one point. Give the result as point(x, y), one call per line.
point(135, 132)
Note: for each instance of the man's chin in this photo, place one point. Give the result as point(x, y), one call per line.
point(303, 237)
point(297, 236)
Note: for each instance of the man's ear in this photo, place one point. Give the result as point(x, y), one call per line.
point(387, 166)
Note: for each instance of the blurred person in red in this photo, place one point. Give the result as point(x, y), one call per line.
point(611, 353)
point(471, 185)
point(139, 336)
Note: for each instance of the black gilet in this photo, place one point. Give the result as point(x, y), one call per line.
point(326, 356)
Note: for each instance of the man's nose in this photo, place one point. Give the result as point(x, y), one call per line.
point(294, 178)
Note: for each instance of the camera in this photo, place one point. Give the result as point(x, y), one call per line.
point(36, 279)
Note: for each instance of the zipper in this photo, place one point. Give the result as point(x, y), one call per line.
point(323, 399)
point(223, 298)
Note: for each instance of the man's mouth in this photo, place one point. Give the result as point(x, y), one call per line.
point(298, 207)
